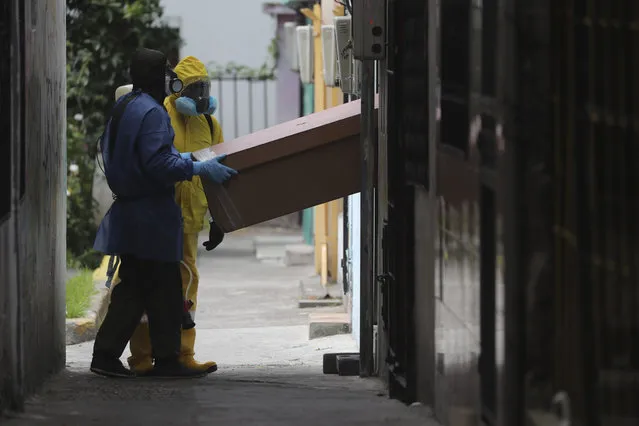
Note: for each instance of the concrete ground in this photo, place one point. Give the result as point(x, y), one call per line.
point(270, 373)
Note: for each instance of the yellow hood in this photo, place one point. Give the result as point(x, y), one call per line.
point(189, 70)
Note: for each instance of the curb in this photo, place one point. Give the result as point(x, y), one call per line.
point(314, 295)
point(80, 330)
point(328, 324)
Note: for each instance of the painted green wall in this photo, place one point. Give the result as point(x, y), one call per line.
point(308, 221)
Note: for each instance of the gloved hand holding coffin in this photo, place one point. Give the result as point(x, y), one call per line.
point(214, 170)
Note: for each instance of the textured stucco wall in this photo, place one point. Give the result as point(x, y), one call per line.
point(8, 288)
point(33, 235)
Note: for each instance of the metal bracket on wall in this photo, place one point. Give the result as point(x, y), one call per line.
point(369, 29)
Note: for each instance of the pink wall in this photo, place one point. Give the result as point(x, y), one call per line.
point(288, 82)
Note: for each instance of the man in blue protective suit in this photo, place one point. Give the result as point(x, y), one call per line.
point(144, 225)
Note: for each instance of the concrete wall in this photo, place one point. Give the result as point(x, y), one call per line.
point(33, 231)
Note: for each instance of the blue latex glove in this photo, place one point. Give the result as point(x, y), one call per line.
point(186, 155)
point(214, 170)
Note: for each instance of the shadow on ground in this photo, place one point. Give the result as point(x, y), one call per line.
point(242, 396)
point(249, 322)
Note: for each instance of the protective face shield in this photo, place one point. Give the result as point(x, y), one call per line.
point(172, 84)
point(196, 99)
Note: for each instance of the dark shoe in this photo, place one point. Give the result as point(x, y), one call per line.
point(110, 368)
point(174, 370)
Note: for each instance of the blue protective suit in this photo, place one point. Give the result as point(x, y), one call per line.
point(144, 220)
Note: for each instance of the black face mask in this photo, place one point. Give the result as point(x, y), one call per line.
point(199, 92)
point(148, 72)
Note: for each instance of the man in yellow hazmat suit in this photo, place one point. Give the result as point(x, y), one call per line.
point(195, 128)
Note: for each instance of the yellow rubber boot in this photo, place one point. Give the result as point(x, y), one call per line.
point(141, 359)
point(187, 354)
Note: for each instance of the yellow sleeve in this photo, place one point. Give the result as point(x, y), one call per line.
point(218, 136)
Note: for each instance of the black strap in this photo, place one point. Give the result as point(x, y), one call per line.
point(114, 262)
point(210, 121)
point(212, 221)
point(116, 115)
point(114, 124)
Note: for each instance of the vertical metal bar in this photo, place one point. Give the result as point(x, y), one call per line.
point(250, 93)
point(487, 275)
point(301, 113)
point(368, 152)
point(220, 88)
point(265, 103)
point(235, 107)
point(425, 290)
point(584, 199)
point(589, 373)
point(513, 403)
point(346, 234)
point(512, 172)
point(345, 244)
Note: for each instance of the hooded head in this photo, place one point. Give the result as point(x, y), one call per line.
point(190, 70)
point(195, 98)
point(148, 72)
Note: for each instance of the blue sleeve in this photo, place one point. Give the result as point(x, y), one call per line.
point(159, 157)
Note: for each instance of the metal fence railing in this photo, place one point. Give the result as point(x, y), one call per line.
point(246, 104)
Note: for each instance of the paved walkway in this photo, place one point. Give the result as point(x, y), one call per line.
point(270, 373)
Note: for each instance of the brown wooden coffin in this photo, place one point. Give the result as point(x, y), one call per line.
point(288, 167)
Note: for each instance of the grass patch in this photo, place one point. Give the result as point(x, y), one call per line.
point(80, 290)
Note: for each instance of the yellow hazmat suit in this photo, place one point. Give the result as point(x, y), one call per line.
point(192, 133)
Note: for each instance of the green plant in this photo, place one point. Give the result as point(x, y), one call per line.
point(80, 290)
point(72, 262)
point(90, 259)
point(101, 37)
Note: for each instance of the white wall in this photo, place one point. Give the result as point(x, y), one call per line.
point(340, 248)
point(354, 225)
point(214, 30)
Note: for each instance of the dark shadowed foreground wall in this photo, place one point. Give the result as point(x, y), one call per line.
point(32, 195)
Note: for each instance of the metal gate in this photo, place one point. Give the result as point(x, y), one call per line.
point(406, 158)
point(469, 261)
point(247, 103)
point(573, 242)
